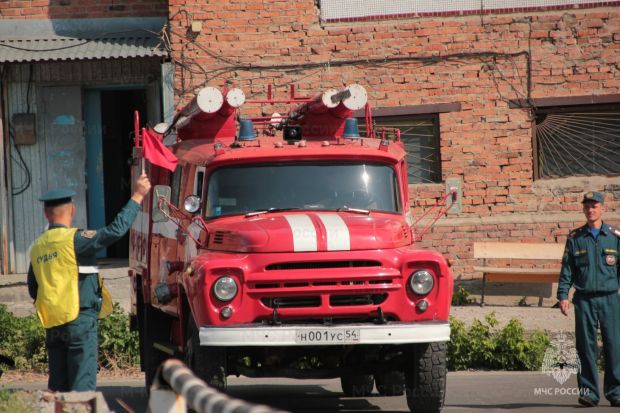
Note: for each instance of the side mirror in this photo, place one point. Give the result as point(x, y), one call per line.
point(160, 210)
point(192, 204)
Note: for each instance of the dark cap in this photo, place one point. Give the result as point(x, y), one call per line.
point(55, 197)
point(594, 197)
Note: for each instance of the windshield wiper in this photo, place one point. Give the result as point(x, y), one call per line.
point(268, 211)
point(354, 210)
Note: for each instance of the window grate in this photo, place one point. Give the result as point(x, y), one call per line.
point(578, 143)
point(420, 135)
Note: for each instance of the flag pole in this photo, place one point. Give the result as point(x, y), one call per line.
point(136, 131)
point(142, 159)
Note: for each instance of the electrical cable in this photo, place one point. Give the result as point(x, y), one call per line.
point(22, 164)
point(29, 86)
point(231, 66)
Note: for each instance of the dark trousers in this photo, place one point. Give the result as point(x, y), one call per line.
point(592, 311)
point(72, 355)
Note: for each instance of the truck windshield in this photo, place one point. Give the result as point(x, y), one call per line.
point(306, 186)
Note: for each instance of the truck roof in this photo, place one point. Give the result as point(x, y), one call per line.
point(206, 151)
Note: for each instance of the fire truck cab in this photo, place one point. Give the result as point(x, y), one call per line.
point(289, 253)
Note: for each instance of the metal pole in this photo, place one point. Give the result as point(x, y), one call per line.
point(202, 398)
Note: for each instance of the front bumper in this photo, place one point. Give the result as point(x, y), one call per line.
point(286, 335)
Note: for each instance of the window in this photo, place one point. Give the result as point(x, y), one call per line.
point(339, 10)
point(176, 186)
point(573, 141)
point(321, 186)
point(420, 134)
point(198, 181)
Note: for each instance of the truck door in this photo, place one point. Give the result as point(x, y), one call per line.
point(164, 242)
point(187, 248)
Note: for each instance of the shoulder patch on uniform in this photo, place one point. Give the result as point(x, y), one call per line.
point(614, 230)
point(88, 233)
point(573, 233)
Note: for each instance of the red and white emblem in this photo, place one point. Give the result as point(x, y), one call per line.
point(610, 259)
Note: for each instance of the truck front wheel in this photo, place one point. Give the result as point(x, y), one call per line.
point(426, 379)
point(208, 363)
point(357, 385)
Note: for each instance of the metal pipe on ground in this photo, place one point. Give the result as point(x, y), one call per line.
point(199, 396)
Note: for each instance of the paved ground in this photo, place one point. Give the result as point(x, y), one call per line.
point(502, 302)
point(527, 392)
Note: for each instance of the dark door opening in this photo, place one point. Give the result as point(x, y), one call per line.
point(117, 108)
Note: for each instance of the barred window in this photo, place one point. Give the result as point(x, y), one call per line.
point(577, 141)
point(420, 134)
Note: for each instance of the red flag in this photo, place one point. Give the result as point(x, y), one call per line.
point(156, 152)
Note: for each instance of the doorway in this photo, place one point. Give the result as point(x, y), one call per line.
point(117, 108)
point(109, 118)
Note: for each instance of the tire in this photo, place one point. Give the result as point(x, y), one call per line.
point(390, 383)
point(357, 385)
point(208, 363)
point(426, 380)
point(154, 329)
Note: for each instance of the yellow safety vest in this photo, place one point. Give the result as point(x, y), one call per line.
point(106, 300)
point(55, 268)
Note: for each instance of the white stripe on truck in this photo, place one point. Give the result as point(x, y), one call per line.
point(338, 237)
point(304, 233)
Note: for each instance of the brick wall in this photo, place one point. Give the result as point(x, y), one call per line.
point(80, 9)
point(486, 144)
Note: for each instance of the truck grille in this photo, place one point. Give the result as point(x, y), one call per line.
point(292, 302)
point(218, 237)
point(309, 265)
point(315, 301)
point(352, 300)
point(302, 284)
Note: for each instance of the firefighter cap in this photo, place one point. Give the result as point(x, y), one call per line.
point(55, 197)
point(594, 197)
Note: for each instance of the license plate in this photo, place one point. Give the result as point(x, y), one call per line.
point(328, 335)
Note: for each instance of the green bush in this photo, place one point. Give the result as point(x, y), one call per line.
point(485, 346)
point(23, 340)
point(118, 347)
point(461, 297)
point(18, 401)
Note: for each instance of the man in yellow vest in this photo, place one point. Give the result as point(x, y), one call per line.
point(63, 279)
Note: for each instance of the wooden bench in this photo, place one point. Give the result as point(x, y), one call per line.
point(517, 251)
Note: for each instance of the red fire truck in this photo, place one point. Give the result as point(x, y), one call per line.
point(283, 246)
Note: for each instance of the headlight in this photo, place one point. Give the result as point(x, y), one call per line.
point(225, 288)
point(192, 204)
point(421, 282)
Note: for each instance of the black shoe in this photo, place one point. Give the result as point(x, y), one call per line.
point(587, 402)
point(615, 402)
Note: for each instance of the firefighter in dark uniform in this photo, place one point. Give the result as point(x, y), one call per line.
point(590, 264)
point(69, 295)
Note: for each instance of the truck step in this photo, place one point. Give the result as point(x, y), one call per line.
point(169, 349)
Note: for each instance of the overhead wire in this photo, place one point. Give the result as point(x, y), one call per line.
point(230, 66)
